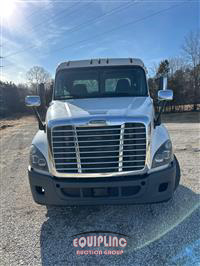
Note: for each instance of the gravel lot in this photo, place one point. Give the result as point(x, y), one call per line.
point(162, 234)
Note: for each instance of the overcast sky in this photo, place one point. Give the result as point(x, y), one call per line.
point(47, 32)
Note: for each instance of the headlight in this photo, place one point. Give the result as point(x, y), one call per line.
point(37, 160)
point(163, 155)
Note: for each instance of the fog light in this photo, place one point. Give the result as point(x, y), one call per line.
point(40, 190)
point(163, 187)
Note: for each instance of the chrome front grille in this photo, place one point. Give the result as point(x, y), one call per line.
point(99, 149)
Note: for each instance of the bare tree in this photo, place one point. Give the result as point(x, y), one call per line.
point(153, 69)
point(37, 75)
point(176, 63)
point(191, 50)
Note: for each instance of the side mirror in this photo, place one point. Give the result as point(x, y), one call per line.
point(165, 95)
point(32, 101)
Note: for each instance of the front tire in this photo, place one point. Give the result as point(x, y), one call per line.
point(178, 173)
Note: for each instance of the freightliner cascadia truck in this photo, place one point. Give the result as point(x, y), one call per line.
point(102, 141)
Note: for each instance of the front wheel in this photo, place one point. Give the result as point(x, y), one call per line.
point(178, 173)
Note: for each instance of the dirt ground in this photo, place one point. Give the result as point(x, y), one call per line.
point(162, 234)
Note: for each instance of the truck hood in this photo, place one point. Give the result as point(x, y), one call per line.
point(100, 107)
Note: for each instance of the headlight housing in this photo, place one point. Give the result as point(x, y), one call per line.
point(163, 155)
point(37, 160)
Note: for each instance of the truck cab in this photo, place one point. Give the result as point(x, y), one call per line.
point(101, 142)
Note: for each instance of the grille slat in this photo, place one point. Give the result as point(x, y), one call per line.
point(82, 147)
point(106, 140)
point(92, 129)
point(99, 149)
point(94, 168)
point(90, 136)
point(97, 157)
point(94, 151)
point(101, 162)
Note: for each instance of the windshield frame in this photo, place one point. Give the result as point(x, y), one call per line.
point(105, 68)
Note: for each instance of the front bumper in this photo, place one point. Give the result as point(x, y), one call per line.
point(155, 187)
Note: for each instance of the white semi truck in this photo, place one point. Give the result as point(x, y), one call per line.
point(101, 142)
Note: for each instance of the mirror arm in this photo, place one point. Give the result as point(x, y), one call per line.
point(157, 120)
point(41, 124)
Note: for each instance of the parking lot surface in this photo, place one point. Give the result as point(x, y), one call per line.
point(161, 234)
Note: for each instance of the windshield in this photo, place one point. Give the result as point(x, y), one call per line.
point(100, 82)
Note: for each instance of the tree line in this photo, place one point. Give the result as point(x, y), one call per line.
point(12, 96)
point(183, 74)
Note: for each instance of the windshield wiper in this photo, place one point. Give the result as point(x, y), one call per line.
point(106, 95)
point(64, 97)
point(116, 95)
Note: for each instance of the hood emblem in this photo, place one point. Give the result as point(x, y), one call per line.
point(97, 122)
